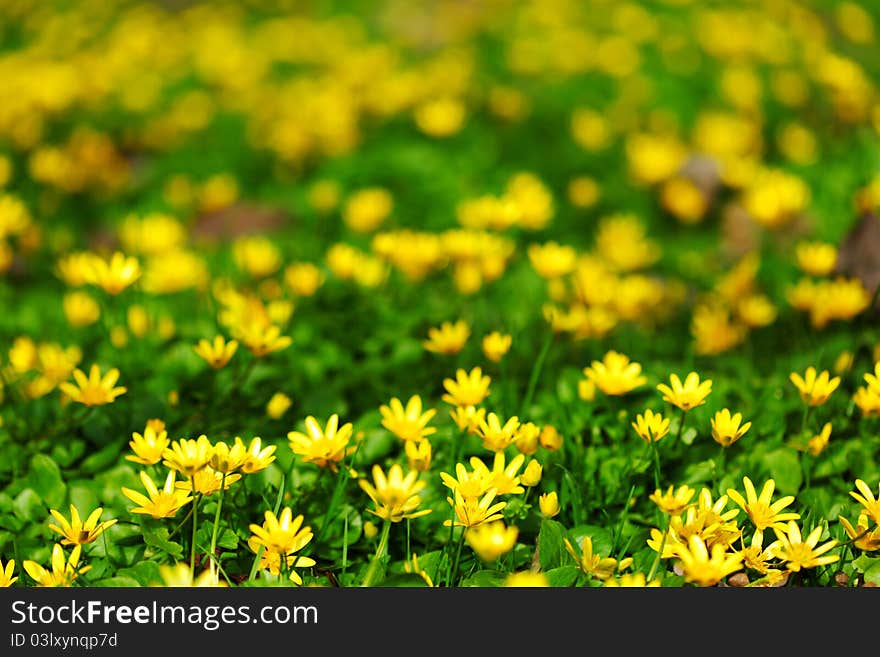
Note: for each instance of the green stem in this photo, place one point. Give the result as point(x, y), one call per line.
point(373, 570)
point(195, 515)
point(451, 581)
point(215, 531)
point(536, 371)
point(656, 462)
point(659, 556)
point(719, 466)
point(448, 543)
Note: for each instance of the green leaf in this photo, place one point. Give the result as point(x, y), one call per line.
point(228, 539)
point(405, 580)
point(118, 581)
point(485, 578)
point(157, 537)
point(785, 469)
point(601, 537)
point(29, 506)
point(145, 573)
point(551, 545)
point(45, 478)
point(872, 574)
point(99, 460)
point(562, 576)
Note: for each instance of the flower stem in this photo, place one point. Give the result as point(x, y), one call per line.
point(373, 570)
point(454, 573)
point(195, 510)
point(536, 372)
point(217, 520)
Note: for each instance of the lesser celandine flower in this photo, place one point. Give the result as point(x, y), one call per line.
point(549, 504)
point(865, 497)
point(503, 476)
point(492, 539)
point(467, 389)
point(593, 564)
point(527, 436)
point(868, 401)
point(703, 567)
point(278, 405)
point(64, 569)
point(418, 454)
point(759, 508)
point(448, 338)
point(526, 579)
point(468, 418)
point(216, 353)
point(816, 258)
point(258, 457)
point(80, 308)
point(675, 500)
point(470, 484)
point(396, 496)
point(817, 444)
point(651, 426)
point(148, 447)
point(303, 278)
point(801, 553)
point(727, 428)
point(188, 455)
point(495, 345)
point(531, 476)
point(631, 580)
point(497, 436)
point(550, 438)
point(323, 447)
point(615, 374)
point(113, 275)
point(873, 380)
point(472, 511)
point(179, 575)
point(263, 339)
point(367, 208)
point(862, 535)
point(158, 503)
point(225, 459)
point(6, 578)
point(207, 481)
point(552, 260)
point(815, 389)
point(408, 423)
point(94, 390)
point(687, 395)
point(283, 534)
point(77, 532)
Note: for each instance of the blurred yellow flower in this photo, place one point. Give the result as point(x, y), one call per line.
point(409, 423)
point(278, 405)
point(496, 345)
point(448, 338)
point(815, 389)
point(217, 353)
point(651, 426)
point(94, 390)
point(491, 540)
point(323, 446)
point(615, 374)
point(687, 395)
point(6, 578)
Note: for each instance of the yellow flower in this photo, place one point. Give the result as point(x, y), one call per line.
point(593, 564)
point(495, 345)
point(816, 258)
point(396, 496)
point(705, 568)
point(407, 423)
point(412, 566)
point(550, 438)
point(549, 504)
point(226, 459)
point(94, 390)
point(632, 580)
point(282, 534)
point(492, 539)
point(6, 578)
point(256, 255)
point(188, 456)
point(762, 513)
point(323, 447)
point(468, 418)
point(674, 501)
point(587, 390)
point(271, 561)
point(113, 275)
point(651, 426)
point(77, 532)
point(862, 536)
point(817, 444)
point(687, 395)
point(448, 338)
point(526, 579)
point(467, 389)
point(303, 278)
point(799, 553)
point(262, 339)
point(815, 390)
point(873, 380)
point(726, 428)
point(218, 353)
point(207, 481)
point(80, 308)
point(367, 208)
point(866, 498)
point(258, 457)
point(440, 117)
point(714, 330)
point(497, 437)
point(868, 401)
point(615, 374)
point(470, 484)
point(179, 575)
point(278, 405)
point(472, 511)
point(531, 476)
point(527, 437)
point(502, 477)
point(149, 446)
point(64, 570)
point(552, 260)
point(418, 453)
point(161, 503)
